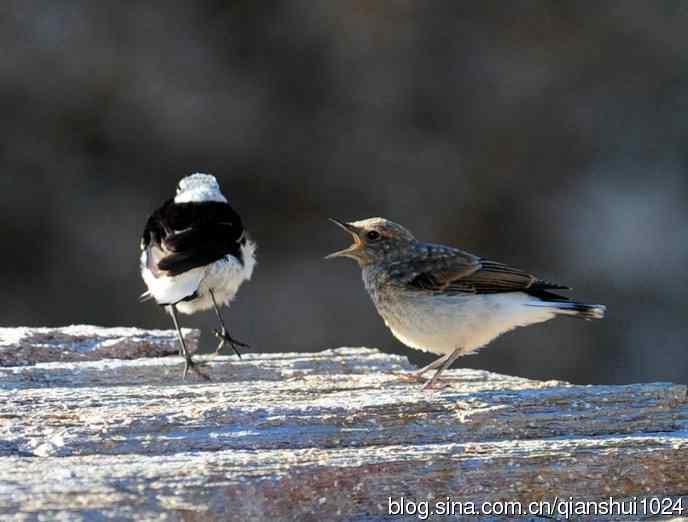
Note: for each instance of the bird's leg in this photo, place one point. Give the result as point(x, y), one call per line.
point(446, 364)
point(188, 362)
point(418, 374)
point(223, 334)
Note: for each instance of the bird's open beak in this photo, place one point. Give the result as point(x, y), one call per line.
point(353, 249)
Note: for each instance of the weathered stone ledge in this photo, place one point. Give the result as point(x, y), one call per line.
point(25, 346)
point(325, 436)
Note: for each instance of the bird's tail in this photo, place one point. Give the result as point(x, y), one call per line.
point(574, 309)
point(145, 296)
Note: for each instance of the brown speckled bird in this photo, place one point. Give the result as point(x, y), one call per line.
point(444, 300)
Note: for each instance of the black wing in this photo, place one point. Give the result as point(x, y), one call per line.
point(449, 270)
point(184, 236)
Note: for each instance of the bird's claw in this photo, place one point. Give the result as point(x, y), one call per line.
point(410, 377)
point(190, 365)
point(435, 386)
point(415, 377)
point(225, 338)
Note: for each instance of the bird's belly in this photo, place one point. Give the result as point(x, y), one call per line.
point(223, 277)
point(170, 289)
point(442, 324)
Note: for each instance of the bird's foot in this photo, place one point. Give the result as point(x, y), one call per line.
point(417, 377)
point(410, 376)
point(433, 386)
point(189, 364)
point(225, 338)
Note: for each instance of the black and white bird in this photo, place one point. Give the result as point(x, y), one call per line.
point(195, 254)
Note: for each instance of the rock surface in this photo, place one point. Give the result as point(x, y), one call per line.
point(325, 436)
point(22, 346)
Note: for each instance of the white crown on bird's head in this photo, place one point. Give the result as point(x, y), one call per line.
point(198, 188)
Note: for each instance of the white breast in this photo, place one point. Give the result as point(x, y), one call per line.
point(441, 324)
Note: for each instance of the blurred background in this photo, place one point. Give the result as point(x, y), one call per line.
point(548, 135)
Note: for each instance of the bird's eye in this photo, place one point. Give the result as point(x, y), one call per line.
point(373, 235)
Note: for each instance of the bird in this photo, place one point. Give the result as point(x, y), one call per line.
point(447, 301)
point(195, 254)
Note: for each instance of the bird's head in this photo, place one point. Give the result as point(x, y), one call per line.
point(375, 240)
point(198, 188)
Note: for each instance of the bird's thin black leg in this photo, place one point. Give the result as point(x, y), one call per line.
point(223, 334)
point(188, 362)
point(446, 364)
